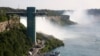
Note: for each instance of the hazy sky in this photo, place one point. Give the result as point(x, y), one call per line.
point(51, 4)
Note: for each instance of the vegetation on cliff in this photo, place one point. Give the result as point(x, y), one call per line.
point(43, 11)
point(51, 12)
point(50, 42)
point(8, 9)
point(2, 15)
point(14, 42)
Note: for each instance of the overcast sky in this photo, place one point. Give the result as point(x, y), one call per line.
point(51, 4)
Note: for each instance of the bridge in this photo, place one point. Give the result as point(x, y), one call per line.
point(30, 13)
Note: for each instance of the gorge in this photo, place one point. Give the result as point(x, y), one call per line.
point(81, 39)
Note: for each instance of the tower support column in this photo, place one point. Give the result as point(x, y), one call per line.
point(31, 24)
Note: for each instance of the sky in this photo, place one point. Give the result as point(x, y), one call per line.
point(51, 4)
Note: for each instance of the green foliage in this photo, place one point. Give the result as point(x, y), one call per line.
point(51, 12)
point(50, 42)
point(2, 15)
point(14, 42)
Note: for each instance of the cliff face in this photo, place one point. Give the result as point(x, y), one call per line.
point(6, 25)
point(3, 26)
point(14, 42)
point(60, 20)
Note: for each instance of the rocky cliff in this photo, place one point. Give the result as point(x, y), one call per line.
point(6, 25)
point(3, 26)
point(60, 20)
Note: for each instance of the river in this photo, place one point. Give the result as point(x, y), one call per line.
point(82, 39)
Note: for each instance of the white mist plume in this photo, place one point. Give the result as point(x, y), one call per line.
point(45, 26)
point(23, 20)
point(79, 16)
point(79, 40)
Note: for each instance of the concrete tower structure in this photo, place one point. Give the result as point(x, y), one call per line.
point(31, 24)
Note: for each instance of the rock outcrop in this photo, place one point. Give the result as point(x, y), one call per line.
point(6, 25)
point(61, 20)
point(3, 26)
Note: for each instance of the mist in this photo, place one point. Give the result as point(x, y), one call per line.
point(45, 26)
point(81, 39)
point(80, 16)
